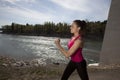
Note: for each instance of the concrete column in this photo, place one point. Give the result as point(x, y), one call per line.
point(110, 52)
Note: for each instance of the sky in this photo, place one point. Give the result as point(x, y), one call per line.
point(40, 11)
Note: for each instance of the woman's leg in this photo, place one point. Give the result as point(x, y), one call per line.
point(68, 70)
point(82, 70)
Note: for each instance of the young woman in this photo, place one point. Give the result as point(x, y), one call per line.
point(75, 46)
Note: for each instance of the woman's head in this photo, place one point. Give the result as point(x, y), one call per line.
point(78, 26)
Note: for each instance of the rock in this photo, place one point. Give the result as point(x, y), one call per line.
point(4, 64)
point(38, 62)
point(19, 64)
point(56, 63)
point(41, 62)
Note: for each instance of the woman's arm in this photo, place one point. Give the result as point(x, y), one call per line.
point(75, 46)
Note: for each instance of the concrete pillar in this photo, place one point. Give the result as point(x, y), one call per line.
point(110, 52)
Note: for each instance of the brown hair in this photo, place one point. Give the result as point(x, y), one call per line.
point(82, 24)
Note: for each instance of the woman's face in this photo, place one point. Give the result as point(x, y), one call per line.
point(74, 28)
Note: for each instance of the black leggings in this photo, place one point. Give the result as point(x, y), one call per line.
point(81, 69)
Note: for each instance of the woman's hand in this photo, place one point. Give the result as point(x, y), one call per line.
point(57, 42)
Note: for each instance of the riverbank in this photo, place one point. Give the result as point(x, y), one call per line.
point(15, 70)
point(87, 37)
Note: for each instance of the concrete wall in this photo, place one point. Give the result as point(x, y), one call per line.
point(110, 53)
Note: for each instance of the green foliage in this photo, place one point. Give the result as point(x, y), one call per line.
point(52, 29)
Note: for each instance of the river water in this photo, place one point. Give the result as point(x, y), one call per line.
point(40, 47)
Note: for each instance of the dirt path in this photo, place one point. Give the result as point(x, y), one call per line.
point(96, 74)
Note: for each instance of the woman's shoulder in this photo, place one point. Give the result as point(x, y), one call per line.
point(80, 39)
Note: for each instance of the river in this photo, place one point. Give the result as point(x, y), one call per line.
point(40, 47)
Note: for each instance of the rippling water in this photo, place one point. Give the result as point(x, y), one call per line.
point(39, 47)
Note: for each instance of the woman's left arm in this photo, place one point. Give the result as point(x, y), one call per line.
point(75, 46)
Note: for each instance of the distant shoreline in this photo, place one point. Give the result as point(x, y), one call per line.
point(94, 30)
point(46, 35)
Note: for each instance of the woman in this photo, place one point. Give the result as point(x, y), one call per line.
point(75, 46)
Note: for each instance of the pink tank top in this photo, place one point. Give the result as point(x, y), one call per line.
point(77, 56)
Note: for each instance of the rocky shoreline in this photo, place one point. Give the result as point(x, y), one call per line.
point(10, 62)
point(11, 69)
